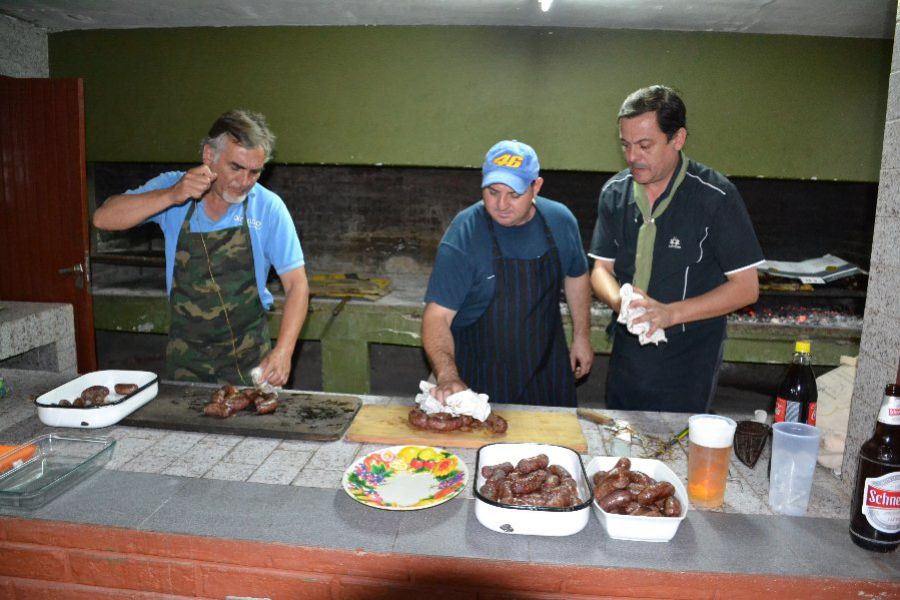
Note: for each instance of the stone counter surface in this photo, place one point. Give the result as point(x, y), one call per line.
point(289, 492)
point(39, 335)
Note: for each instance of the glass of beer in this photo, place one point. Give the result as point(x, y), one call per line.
point(709, 453)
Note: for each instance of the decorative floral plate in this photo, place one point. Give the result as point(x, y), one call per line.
point(406, 477)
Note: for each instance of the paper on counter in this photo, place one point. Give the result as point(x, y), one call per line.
point(627, 315)
point(815, 270)
point(833, 412)
point(466, 402)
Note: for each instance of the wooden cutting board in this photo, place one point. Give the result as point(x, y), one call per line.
point(388, 425)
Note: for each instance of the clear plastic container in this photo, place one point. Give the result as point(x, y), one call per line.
point(57, 463)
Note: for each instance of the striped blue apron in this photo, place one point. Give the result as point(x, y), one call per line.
point(516, 351)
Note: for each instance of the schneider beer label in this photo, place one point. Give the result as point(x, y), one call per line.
point(881, 502)
point(890, 411)
point(789, 411)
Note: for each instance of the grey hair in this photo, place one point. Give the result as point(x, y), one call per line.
point(246, 128)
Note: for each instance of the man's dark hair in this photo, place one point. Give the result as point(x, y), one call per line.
point(671, 114)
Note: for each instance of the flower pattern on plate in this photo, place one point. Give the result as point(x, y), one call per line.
point(406, 477)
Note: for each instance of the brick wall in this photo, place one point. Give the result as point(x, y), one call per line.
point(389, 220)
point(45, 559)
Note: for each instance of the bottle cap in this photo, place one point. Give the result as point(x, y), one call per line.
point(801, 346)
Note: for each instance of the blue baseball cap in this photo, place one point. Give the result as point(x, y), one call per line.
point(512, 163)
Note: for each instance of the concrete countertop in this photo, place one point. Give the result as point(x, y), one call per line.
point(214, 485)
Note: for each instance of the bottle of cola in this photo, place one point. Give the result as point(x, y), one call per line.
point(797, 393)
point(875, 515)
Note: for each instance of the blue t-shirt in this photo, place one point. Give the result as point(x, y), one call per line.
point(273, 236)
point(463, 275)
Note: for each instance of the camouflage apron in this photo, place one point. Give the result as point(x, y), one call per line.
point(218, 330)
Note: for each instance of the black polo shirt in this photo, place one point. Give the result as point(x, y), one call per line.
point(704, 235)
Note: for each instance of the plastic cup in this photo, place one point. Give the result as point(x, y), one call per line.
point(795, 447)
point(709, 454)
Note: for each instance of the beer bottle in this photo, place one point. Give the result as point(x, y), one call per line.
point(875, 515)
point(797, 393)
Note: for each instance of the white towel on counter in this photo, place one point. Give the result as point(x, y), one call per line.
point(466, 402)
point(627, 315)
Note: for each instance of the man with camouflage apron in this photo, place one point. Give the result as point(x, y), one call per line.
point(223, 232)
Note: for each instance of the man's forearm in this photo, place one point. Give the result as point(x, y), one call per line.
point(605, 285)
point(578, 298)
point(296, 307)
point(439, 346)
point(125, 211)
point(740, 290)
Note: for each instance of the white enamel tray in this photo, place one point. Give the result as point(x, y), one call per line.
point(532, 520)
point(116, 408)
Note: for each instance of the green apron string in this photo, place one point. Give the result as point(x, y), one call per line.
point(643, 264)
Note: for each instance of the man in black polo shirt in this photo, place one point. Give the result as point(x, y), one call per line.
point(679, 232)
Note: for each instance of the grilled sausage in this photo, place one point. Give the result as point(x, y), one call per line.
point(489, 471)
point(530, 483)
point(417, 418)
point(551, 482)
point(124, 389)
point(96, 394)
point(266, 406)
point(672, 507)
point(623, 463)
point(216, 409)
point(559, 471)
point(528, 465)
point(616, 501)
point(652, 493)
point(641, 478)
point(496, 423)
point(236, 403)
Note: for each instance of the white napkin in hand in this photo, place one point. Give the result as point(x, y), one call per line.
point(627, 315)
point(264, 386)
point(466, 402)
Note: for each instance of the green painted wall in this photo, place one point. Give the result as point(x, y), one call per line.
point(769, 106)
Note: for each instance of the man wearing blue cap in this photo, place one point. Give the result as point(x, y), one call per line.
point(492, 317)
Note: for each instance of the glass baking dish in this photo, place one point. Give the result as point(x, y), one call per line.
point(43, 468)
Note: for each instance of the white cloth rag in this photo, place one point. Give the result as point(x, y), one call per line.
point(627, 315)
point(466, 402)
point(264, 386)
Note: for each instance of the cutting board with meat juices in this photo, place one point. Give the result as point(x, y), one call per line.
point(389, 425)
point(300, 415)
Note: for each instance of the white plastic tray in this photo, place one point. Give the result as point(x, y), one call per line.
point(641, 529)
point(116, 408)
point(532, 520)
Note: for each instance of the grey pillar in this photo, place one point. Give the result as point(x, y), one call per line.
point(879, 349)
